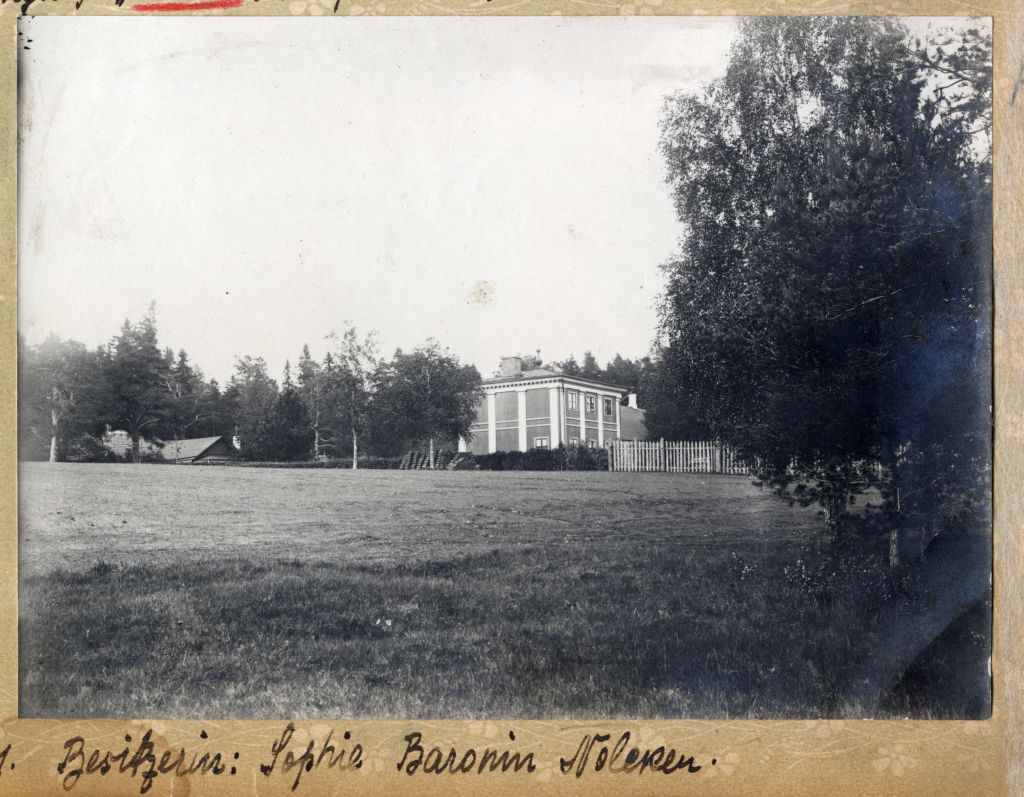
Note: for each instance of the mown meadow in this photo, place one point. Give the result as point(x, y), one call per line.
point(167, 591)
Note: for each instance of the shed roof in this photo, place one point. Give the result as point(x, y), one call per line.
point(187, 449)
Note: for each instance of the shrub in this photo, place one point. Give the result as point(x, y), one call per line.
point(833, 569)
point(87, 448)
point(514, 460)
point(583, 458)
point(495, 461)
point(561, 458)
point(542, 459)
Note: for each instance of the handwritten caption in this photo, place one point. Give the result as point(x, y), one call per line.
point(146, 758)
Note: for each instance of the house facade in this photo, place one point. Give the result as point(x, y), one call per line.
point(529, 406)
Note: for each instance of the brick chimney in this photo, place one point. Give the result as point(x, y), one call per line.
point(512, 367)
point(631, 400)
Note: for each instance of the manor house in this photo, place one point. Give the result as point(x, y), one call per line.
point(527, 405)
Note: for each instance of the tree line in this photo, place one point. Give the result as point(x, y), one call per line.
point(352, 402)
point(636, 374)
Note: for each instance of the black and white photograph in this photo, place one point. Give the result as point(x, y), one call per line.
point(569, 368)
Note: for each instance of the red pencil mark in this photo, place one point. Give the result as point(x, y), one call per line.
point(202, 5)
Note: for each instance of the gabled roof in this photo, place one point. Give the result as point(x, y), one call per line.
point(187, 449)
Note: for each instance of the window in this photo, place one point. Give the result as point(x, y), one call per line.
point(540, 442)
point(574, 441)
point(591, 444)
point(609, 410)
point(574, 400)
point(591, 404)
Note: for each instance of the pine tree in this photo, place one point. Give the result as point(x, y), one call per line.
point(135, 375)
point(286, 435)
point(251, 397)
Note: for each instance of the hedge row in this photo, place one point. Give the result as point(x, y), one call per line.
point(368, 463)
point(561, 458)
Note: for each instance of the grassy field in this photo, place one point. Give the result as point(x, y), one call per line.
point(230, 592)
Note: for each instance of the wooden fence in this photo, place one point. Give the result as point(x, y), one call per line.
point(686, 456)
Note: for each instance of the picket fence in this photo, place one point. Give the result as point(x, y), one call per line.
point(684, 456)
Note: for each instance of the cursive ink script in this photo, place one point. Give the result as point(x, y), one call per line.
point(143, 760)
point(618, 760)
point(437, 762)
point(329, 756)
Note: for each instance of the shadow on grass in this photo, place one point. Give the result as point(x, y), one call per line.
point(529, 632)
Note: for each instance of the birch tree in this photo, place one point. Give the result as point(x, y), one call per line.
point(355, 361)
point(58, 381)
point(317, 384)
point(829, 303)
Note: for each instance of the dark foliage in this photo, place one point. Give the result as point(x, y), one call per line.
point(59, 382)
point(830, 304)
point(135, 386)
point(69, 397)
point(561, 458)
point(426, 396)
point(286, 434)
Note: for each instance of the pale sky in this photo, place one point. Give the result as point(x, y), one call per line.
point(493, 183)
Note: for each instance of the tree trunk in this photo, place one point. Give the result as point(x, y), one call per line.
point(835, 508)
point(136, 453)
point(55, 420)
point(355, 450)
point(316, 443)
point(894, 531)
point(431, 453)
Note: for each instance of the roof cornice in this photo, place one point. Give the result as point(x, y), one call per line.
point(577, 381)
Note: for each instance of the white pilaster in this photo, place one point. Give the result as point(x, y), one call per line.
point(600, 420)
point(492, 425)
point(521, 414)
point(563, 405)
point(555, 417)
point(581, 402)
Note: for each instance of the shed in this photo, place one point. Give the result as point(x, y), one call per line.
point(198, 449)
